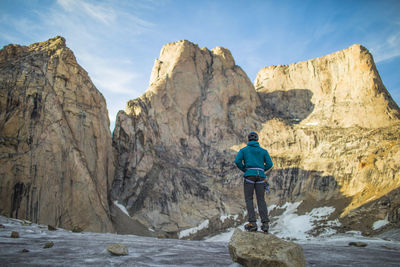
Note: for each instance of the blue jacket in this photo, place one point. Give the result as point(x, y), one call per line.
point(253, 160)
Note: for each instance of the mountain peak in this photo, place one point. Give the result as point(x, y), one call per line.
point(344, 88)
point(52, 44)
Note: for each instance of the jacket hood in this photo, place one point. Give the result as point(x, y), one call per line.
point(253, 143)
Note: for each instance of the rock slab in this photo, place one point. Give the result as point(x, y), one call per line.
point(118, 249)
point(258, 249)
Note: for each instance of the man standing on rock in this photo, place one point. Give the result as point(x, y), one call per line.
point(254, 161)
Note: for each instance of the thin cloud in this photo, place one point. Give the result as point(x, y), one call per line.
point(99, 12)
point(116, 75)
point(388, 49)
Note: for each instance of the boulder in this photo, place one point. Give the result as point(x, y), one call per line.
point(51, 228)
point(118, 249)
point(358, 244)
point(14, 234)
point(77, 229)
point(49, 244)
point(259, 249)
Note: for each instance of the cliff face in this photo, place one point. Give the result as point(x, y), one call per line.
point(342, 89)
point(342, 123)
point(173, 144)
point(329, 124)
point(55, 143)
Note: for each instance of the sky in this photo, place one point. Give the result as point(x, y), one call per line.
point(117, 42)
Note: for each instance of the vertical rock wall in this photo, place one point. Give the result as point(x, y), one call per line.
point(55, 144)
point(174, 143)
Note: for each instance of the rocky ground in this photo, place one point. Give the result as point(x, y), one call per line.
point(77, 249)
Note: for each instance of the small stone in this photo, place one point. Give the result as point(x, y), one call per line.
point(48, 244)
point(51, 228)
point(24, 250)
point(26, 223)
point(77, 229)
point(358, 244)
point(14, 234)
point(118, 249)
point(159, 236)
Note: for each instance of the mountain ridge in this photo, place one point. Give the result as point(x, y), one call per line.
point(173, 147)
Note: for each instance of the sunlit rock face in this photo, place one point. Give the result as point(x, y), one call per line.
point(174, 143)
point(55, 144)
point(329, 124)
point(337, 119)
point(342, 89)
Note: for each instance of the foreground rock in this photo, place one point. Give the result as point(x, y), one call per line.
point(118, 249)
point(55, 144)
point(259, 249)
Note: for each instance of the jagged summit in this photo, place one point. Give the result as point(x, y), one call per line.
point(344, 89)
point(55, 43)
point(186, 57)
point(14, 50)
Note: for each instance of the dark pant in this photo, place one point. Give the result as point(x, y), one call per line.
point(249, 189)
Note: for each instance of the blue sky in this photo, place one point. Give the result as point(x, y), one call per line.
point(118, 41)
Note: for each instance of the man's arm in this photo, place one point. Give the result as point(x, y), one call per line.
point(267, 161)
point(239, 161)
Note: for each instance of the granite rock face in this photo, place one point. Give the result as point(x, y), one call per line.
point(173, 144)
point(339, 90)
point(329, 124)
point(55, 144)
point(337, 121)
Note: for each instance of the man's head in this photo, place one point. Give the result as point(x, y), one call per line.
point(253, 136)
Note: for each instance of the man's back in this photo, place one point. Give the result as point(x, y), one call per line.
point(255, 158)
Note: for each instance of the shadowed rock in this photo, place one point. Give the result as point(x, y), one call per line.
point(55, 144)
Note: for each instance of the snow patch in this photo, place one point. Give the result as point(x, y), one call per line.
point(292, 225)
point(223, 218)
point(193, 230)
point(122, 208)
point(379, 224)
point(230, 216)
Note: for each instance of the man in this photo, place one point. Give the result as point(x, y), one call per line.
point(254, 161)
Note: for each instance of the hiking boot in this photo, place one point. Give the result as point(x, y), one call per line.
point(265, 227)
point(251, 227)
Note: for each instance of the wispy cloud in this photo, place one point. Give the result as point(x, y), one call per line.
point(99, 33)
point(99, 11)
point(387, 49)
point(114, 75)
